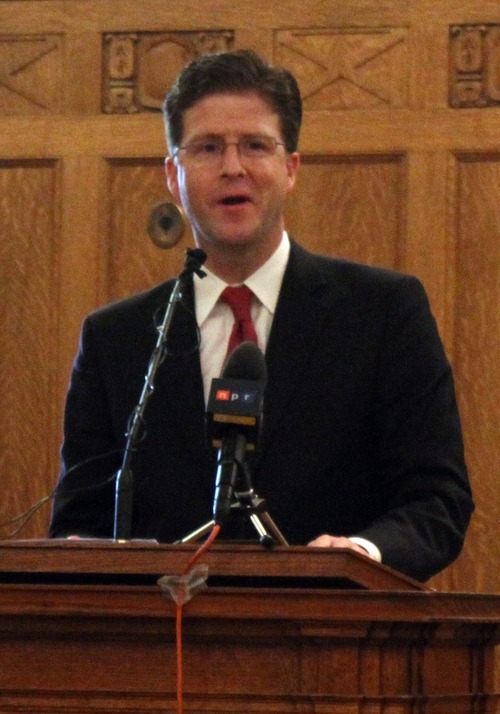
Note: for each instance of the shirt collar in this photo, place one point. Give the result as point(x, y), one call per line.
point(265, 283)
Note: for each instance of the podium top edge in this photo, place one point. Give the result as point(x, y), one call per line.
point(235, 560)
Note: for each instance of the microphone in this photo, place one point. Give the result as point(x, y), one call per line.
point(234, 419)
point(166, 225)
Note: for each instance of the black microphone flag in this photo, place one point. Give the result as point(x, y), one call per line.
point(236, 398)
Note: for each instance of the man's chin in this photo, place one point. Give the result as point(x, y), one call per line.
point(232, 241)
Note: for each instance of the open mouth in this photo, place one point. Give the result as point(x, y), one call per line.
point(234, 200)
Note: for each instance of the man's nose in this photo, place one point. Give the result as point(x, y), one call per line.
point(231, 159)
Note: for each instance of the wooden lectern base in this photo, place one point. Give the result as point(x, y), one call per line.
point(85, 628)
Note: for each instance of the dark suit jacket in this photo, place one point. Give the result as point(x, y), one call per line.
point(361, 434)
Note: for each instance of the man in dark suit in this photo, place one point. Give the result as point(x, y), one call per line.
point(361, 444)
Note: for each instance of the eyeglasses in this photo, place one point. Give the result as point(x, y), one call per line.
point(211, 151)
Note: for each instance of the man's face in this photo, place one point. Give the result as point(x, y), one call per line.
point(233, 201)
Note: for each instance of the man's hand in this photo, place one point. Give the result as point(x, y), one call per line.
point(328, 541)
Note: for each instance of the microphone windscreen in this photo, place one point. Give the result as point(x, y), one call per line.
point(245, 362)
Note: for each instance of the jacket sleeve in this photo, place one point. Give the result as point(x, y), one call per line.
point(424, 496)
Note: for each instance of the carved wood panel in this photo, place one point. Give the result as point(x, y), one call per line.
point(346, 69)
point(30, 74)
point(140, 67)
point(475, 65)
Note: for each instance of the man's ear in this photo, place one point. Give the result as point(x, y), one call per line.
point(171, 176)
point(293, 163)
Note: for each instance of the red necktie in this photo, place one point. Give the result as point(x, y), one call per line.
point(239, 300)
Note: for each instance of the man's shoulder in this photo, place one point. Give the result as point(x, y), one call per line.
point(343, 272)
point(134, 306)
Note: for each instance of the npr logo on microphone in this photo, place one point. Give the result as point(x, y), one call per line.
point(225, 395)
point(235, 396)
point(234, 405)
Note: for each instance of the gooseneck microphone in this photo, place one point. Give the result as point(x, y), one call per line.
point(124, 489)
point(234, 420)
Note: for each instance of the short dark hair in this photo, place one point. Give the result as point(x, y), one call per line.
point(239, 71)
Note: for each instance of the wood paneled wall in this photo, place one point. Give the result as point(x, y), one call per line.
point(401, 167)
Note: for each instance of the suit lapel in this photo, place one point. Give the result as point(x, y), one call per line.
point(307, 301)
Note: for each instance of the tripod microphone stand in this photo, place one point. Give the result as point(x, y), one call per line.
point(247, 504)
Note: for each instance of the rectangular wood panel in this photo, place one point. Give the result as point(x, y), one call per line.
point(29, 252)
point(351, 206)
point(477, 347)
point(133, 262)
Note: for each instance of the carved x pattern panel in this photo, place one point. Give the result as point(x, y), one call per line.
point(347, 69)
point(30, 75)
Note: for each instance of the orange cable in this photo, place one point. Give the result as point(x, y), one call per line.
point(178, 638)
point(178, 617)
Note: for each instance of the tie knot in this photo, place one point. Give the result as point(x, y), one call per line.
point(239, 300)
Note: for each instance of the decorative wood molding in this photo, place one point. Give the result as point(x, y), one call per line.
point(474, 66)
point(140, 67)
point(30, 74)
point(349, 68)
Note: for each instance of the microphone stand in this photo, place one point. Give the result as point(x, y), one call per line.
point(249, 503)
point(124, 491)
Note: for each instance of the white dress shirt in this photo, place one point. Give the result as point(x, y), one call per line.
point(215, 318)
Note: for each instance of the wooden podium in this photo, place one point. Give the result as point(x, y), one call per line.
point(85, 627)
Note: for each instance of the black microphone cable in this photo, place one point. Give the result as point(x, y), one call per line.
point(26, 515)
